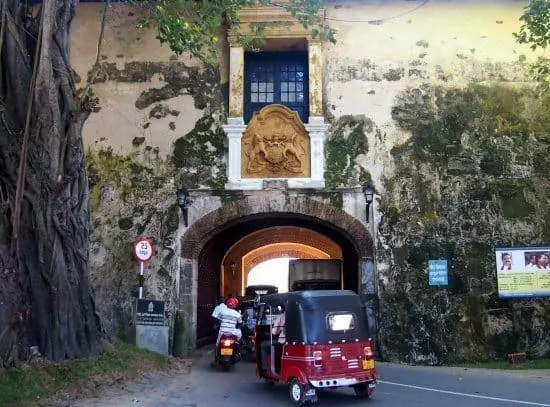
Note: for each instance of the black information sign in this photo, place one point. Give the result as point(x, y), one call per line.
point(150, 312)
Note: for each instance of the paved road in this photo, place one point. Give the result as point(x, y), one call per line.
point(399, 386)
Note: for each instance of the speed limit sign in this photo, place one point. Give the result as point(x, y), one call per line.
point(143, 249)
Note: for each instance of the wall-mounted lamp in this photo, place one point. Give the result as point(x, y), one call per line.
point(368, 191)
point(183, 200)
point(233, 268)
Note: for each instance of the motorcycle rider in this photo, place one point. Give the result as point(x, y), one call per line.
point(230, 319)
point(216, 313)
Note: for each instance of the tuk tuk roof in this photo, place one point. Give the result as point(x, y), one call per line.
point(306, 315)
point(315, 299)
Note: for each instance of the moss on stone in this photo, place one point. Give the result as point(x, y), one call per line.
point(171, 221)
point(394, 74)
point(199, 83)
point(196, 153)
point(125, 223)
point(137, 141)
point(162, 110)
point(347, 140)
point(513, 197)
point(476, 156)
point(336, 199)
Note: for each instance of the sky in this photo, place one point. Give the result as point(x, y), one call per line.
point(272, 272)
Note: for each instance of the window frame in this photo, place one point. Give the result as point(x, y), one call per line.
point(275, 60)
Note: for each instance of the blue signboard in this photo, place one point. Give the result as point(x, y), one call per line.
point(438, 272)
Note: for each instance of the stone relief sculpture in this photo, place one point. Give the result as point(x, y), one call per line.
point(275, 145)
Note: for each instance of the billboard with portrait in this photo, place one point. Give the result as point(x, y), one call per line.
point(523, 271)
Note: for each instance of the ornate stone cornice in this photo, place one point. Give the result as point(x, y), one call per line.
point(280, 23)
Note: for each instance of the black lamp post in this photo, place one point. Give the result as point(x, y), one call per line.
point(233, 267)
point(368, 191)
point(183, 200)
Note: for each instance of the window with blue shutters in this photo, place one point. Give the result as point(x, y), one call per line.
point(276, 77)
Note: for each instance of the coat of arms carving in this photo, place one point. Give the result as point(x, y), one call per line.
point(275, 145)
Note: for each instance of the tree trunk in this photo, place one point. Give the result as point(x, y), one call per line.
point(46, 298)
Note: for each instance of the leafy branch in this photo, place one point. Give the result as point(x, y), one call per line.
point(535, 30)
point(194, 26)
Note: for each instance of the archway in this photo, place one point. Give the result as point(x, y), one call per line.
point(268, 243)
point(206, 243)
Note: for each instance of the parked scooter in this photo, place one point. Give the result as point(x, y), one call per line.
point(227, 352)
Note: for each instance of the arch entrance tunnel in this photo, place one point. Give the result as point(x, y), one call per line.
point(225, 262)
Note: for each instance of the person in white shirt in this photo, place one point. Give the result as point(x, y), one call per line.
point(229, 319)
point(221, 305)
point(278, 331)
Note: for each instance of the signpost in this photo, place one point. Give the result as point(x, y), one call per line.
point(150, 312)
point(438, 272)
point(143, 252)
point(151, 332)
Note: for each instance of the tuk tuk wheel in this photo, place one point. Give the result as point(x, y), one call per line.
point(297, 392)
point(362, 390)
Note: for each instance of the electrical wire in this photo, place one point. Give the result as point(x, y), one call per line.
point(378, 20)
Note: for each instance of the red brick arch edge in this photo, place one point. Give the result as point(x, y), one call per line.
point(236, 212)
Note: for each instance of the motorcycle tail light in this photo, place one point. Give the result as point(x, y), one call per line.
point(227, 342)
point(368, 352)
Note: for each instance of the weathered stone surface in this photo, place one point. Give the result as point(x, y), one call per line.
point(153, 338)
point(210, 224)
point(452, 182)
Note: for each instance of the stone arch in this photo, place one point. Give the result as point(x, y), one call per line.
point(206, 241)
point(308, 242)
point(214, 222)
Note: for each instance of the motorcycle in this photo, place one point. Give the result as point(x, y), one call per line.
point(227, 352)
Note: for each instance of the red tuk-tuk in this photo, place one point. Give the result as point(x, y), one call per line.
point(326, 343)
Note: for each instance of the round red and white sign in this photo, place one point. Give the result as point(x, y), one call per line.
point(143, 249)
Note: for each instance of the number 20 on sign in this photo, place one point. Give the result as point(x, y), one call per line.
point(143, 252)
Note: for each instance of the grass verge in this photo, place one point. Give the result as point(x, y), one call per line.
point(38, 381)
point(505, 365)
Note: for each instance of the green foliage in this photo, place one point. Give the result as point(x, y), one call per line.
point(504, 365)
point(536, 24)
point(194, 26)
point(535, 30)
point(41, 381)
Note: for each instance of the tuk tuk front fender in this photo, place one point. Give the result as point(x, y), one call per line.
point(296, 372)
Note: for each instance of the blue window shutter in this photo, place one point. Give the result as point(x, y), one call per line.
point(276, 77)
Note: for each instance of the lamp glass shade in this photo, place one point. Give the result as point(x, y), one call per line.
point(368, 191)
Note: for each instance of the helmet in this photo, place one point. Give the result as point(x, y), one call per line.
point(232, 303)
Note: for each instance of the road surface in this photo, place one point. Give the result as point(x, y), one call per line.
point(399, 386)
